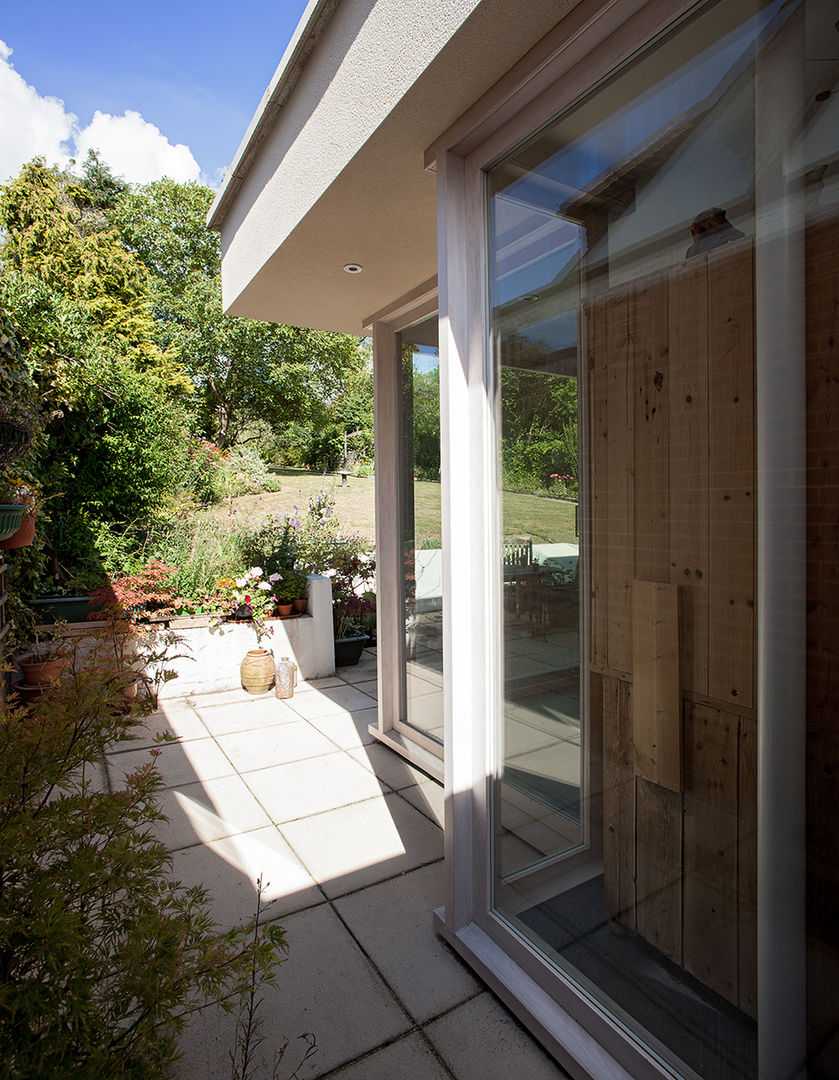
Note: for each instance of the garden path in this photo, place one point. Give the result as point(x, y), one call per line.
point(348, 838)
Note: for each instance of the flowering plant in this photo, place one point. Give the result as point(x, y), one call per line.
point(251, 596)
point(17, 490)
point(563, 485)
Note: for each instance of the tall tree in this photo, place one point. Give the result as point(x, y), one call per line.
point(244, 372)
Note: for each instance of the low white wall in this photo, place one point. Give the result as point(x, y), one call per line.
point(216, 653)
point(213, 655)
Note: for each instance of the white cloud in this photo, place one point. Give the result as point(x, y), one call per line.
point(29, 124)
point(33, 125)
point(136, 149)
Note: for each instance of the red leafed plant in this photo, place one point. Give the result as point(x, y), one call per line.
point(149, 590)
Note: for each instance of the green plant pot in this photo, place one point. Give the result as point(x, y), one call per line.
point(49, 608)
point(11, 515)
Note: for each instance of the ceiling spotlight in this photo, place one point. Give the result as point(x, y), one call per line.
point(353, 268)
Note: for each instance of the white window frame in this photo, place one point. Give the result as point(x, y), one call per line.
point(584, 50)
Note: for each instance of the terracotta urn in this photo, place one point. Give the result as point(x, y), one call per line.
point(257, 671)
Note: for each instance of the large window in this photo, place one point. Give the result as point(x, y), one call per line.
point(664, 286)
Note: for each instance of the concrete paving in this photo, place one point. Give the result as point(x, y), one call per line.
point(347, 837)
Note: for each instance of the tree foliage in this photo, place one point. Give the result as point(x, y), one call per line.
point(245, 373)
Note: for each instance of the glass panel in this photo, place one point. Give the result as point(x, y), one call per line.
point(422, 583)
point(635, 245)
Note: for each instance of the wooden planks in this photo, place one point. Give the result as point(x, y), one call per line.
point(649, 358)
point(658, 860)
point(595, 323)
point(689, 453)
point(710, 873)
point(618, 802)
point(619, 486)
point(731, 463)
point(656, 702)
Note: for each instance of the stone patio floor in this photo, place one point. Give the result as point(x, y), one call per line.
point(348, 839)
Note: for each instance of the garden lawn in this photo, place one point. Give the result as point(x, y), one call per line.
point(545, 520)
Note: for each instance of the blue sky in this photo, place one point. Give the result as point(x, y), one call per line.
point(195, 72)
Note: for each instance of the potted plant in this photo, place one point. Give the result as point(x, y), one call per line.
point(251, 597)
point(43, 661)
point(291, 589)
point(24, 492)
point(353, 601)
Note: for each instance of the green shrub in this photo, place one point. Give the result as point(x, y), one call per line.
point(103, 955)
point(243, 472)
point(326, 448)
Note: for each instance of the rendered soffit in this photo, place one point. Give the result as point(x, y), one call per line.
point(379, 207)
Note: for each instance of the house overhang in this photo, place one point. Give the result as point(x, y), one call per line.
point(332, 171)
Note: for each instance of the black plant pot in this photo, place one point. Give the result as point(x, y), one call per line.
point(348, 650)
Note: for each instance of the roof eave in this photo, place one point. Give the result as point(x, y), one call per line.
point(303, 42)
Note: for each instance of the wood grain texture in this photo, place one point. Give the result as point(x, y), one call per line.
point(619, 486)
point(618, 802)
point(710, 878)
point(689, 455)
point(656, 709)
point(658, 860)
point(649, 359)
point(596, 355)
point(731, 517)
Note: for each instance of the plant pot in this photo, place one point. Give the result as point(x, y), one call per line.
point(72, 608)
point(42, 672)
point(11, 516)
point(23, 537)
point(348, 650)
point(257, 671)
point(283, 609)
point(300, 605)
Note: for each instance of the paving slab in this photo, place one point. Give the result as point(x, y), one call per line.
point(175, 717)
point(326, 986)
point(392, 922)
point(409, 1058)
point(312, 786)
point(334, 699)
point(429, 799)
point(356, 845)
point(277, 745)
point(207, 811)
point(348, 730)
point(480, 1040)
point(223, 719)
point(390, 767)
point(229, 870)
point(178, 763)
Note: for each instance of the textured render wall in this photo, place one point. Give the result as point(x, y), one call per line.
point(370, 55)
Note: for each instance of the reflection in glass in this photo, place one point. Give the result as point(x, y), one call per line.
point(625, 244)
point(420, 512)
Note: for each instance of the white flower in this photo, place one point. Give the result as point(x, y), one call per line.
point(275, 577)
point(255, 571)
point(264, 586)
point(241, 582)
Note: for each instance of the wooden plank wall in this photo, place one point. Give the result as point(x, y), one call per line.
point(671, 368)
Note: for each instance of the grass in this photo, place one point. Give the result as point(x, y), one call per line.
point(547, 521)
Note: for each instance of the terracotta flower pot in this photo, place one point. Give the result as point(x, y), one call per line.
point(23, 537)
point(42, 672)
point(300, 605)
point(283, 609)
point(11, 515)
point(257, 671)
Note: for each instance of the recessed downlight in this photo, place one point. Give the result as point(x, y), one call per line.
point(353, 268)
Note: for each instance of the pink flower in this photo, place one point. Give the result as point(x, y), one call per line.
point(247, 599)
